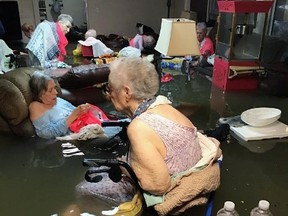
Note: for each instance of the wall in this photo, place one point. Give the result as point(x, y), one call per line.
point(29, 13)
point(75, 8)
point(120, 17)
point(108, 16)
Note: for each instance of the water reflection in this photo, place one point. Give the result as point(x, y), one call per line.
point(259, 146)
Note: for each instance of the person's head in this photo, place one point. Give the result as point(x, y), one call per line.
point(43, 88)
point(65, 22)
point(131, 79)
point(201, 30)
point(90, 33)
point(149, 41)
point(27, 29)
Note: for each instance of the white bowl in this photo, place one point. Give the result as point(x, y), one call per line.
point(262, 116)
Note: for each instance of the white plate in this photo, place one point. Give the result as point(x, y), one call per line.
point(262, 116)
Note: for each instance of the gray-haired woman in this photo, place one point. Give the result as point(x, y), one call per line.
point(51, 115)
point(164, 143)
point(48, 41)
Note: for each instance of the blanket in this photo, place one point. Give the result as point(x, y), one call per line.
point(90, 131)
point(4, 61)
point(44, 43)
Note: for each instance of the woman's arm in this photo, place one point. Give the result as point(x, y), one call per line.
point(77, 112)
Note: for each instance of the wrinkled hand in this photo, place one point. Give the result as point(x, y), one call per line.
point(82, 109)
point(77, 112)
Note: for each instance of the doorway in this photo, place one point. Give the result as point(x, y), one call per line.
point(51, 9)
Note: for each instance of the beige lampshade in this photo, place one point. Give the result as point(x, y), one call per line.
point(178, 38)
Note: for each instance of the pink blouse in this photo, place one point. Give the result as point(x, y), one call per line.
point(183, 149)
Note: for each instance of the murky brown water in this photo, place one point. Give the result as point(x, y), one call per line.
point(36, 180)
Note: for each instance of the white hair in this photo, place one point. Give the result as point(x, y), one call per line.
point(90, 33)
point(65, 18)
point(201, 26)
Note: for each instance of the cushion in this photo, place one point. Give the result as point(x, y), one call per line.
point(84, 75)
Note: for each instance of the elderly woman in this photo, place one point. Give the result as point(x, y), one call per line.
point(164, 143)
point(27, 30)
point(51, 115)
point(48, 41)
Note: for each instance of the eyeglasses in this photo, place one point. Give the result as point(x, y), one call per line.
point(106, 89)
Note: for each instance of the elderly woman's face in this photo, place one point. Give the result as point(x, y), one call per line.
point(65, 26)
point(117, 96)
point(28, 33)
point(49, 97)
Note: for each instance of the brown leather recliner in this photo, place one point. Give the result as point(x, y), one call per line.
point(79, 86)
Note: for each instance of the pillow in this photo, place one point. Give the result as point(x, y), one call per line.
point(84, 75)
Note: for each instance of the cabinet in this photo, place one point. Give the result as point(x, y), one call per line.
point(42, 10)
point(241, 30)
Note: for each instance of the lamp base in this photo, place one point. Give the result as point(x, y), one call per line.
point(185, 68)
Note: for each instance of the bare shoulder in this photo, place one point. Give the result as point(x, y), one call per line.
point(139, 132)
point(36, 109)
point(34, 105)
point(136, 126)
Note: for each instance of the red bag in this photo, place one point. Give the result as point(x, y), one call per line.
point(93, 116)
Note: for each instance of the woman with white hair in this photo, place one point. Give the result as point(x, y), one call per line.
point(90, 33)
point(163, 143)
point(48, 41)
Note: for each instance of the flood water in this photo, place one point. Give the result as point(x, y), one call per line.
point(36, 180)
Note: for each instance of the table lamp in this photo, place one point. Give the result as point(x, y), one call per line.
point(178, 38)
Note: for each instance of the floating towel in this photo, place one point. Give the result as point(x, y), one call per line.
point(129, 52)
point(87, 132)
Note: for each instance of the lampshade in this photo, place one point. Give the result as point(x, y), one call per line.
point(178, 38)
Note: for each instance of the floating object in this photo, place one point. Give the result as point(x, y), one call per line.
point(262, 116)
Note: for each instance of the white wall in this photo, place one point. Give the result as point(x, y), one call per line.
point(120, 16)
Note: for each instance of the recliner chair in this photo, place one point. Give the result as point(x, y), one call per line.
point(78, 85)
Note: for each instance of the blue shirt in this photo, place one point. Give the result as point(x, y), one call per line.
point(53, 122)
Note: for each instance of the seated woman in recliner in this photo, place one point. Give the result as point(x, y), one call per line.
point(51, 116)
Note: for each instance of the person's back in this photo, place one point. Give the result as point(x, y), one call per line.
point(179, 137)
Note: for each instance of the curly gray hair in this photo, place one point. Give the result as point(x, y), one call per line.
point(38, 84)
point(65, 18)
point(136, 72)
